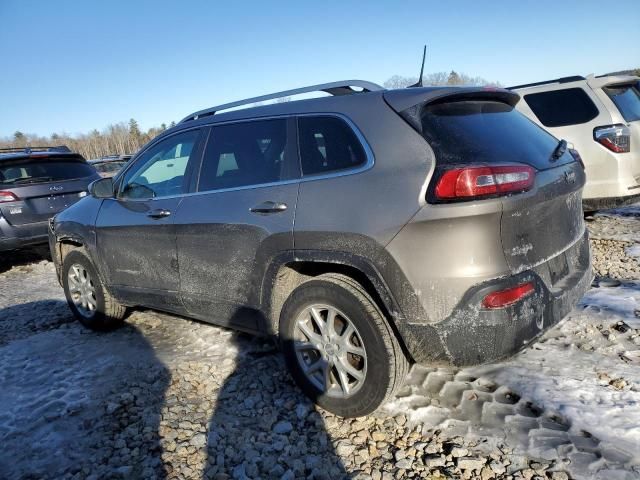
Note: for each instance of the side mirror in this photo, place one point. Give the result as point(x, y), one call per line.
point(102, 188)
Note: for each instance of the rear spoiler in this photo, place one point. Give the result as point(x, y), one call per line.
point(14, 158)
point(409, 102)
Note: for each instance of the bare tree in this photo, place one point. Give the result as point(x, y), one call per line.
point(119, 139)
point(437, 79)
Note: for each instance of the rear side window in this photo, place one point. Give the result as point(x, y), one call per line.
point(43, 171)
point(560, 108)
point(247, 153)
point(468, 132)
point(627, 99)
point(328, 144)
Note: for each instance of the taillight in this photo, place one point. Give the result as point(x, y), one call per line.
point(7, 197)
point(616, 138)
point(576, 156)
point(509, 296)
point(481, 181)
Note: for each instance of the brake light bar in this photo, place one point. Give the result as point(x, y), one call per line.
point(616, 138)
point(509, 296)
point(480, 181)
point(7, 197)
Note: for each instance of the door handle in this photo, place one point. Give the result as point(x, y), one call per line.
point(159, 213)
point(269, 207)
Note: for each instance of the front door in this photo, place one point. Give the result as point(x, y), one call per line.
point(241, 218)
point(135, 232)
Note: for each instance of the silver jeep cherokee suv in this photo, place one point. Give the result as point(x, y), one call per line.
point(368, 229)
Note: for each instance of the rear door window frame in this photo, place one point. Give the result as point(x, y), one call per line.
point(293, 167)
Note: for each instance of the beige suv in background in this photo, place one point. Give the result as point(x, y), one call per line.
point(600, 116)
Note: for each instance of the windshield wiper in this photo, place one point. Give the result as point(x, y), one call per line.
point(560, 149)
point(32, 180)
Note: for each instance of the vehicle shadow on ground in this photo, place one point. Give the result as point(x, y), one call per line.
point(263, 426)
point(76, 402)
point(21, 258)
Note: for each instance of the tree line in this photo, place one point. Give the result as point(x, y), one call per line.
point(127, 137)
point(115, 139)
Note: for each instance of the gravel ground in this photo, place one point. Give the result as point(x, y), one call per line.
point(165, 397)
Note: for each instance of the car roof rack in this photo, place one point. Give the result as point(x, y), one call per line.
point(342, 87)
point(28, 150)
point(573, 78)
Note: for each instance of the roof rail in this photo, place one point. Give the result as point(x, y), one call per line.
point(573, 78)
point(59, 148)
point(342, 87)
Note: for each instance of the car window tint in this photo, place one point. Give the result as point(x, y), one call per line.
point(39, 171)
point(247, 153)
point(559, 108)
point(328, 144)
point(481, 131)
point(160, 171)
point(627, 99)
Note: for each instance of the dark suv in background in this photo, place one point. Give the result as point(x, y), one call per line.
point(368, 230)
point(35, 184)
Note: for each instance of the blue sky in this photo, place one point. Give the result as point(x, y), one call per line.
point(77, 65)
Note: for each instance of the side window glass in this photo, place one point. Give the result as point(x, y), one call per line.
point(328, 144)
point(559, 108)
point(160, 170)
point(246, 153)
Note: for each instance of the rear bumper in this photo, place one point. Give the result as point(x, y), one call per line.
point(13, 237)
point(472, 335)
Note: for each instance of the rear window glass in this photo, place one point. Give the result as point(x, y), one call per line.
point(560, 108)
point(485, 132)
point(627, 99)
point(328, 144)
point(43, 171)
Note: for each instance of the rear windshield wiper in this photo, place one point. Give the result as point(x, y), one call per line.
point(32, 180)
point(560, 149)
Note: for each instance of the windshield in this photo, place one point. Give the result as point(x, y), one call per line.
point(43, 171)
point(627, 99)
point(109, 167)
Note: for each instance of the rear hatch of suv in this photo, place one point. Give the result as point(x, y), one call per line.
point(478, 136)
point(35, 187)
point(626, 97)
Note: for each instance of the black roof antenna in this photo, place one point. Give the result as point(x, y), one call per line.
point(419, 82)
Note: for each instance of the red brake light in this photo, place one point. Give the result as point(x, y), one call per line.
point(7, 197)
point(480, 181)
point(504, 298)
point(616, 138)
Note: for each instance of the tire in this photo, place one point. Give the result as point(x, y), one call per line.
point(372, 374)
point(102, 313)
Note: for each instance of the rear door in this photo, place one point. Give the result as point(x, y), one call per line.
point(135, 232)
point(238, 221)
point(535, 225)
point(42, 187)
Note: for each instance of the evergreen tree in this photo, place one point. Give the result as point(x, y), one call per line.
point(454, 78)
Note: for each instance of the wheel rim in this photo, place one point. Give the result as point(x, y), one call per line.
point(82, 290)
point(330, 351)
